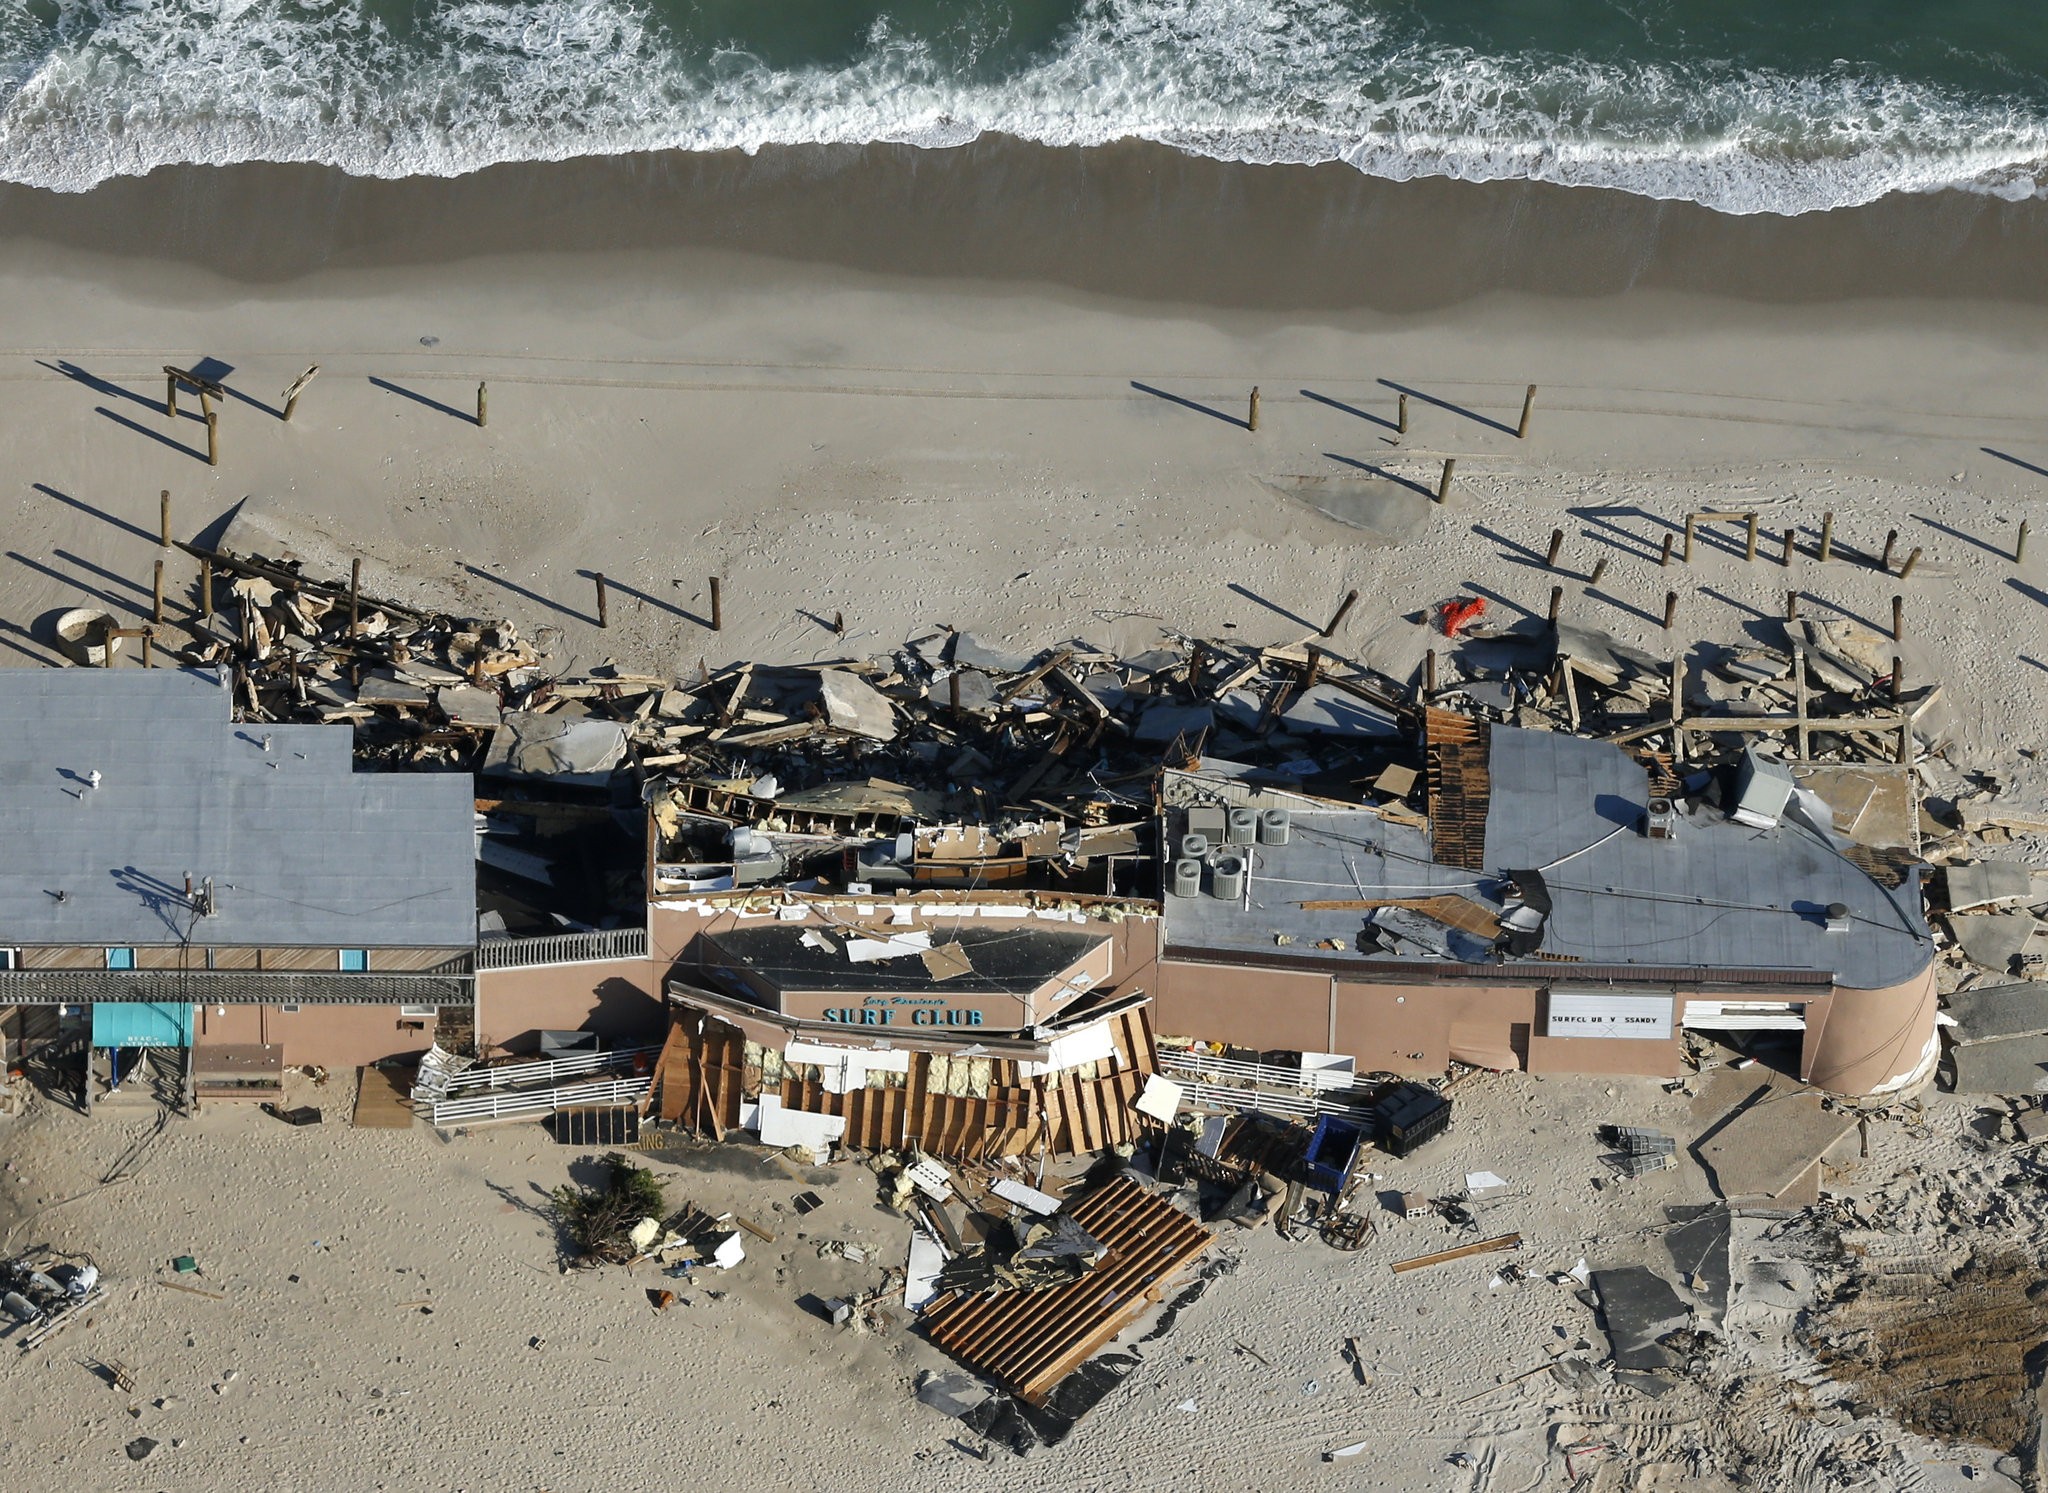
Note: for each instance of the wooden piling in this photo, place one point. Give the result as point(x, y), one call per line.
point(1791, 606)
point(1691, 522)
point(1898, 619)
point(953, 690)
point(483, 409)
point(604, 618)
point(206, 590)
point(1343, 610)
point(1556, 601)
point(1251, 419)
point(1443, 486)
point(1401, 424)
point(164, 515)
point(1599, 569)
point(1786, 559)
point(839, 624)
point(1556, 544)
point(213, 438)
point(170, 396)
point(1749, 547)
point(298, 387)
point(355, 593)
point(1664, 559)
point(1912, 559)
point(1891, 541)
point(157, 594)
point(1429, 672)
point(2019, 549)
point(717, 606)
point(1670, 609)
point(1827, 537)
point(1898, 678)
point(1528, 408)
point(1315, 667)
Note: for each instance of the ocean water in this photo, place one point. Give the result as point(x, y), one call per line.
point(1747, 106)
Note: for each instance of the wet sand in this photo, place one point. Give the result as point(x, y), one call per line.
point(1131, 220)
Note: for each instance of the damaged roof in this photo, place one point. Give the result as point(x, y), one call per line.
point(303, 851)
point(1715, 896)
point(1006, 961)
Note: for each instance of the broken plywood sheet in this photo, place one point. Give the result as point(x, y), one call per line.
point(1992, 939)
point(1976, 886)
point(1325, 710)
point(2001, 1065)
point(465, 705)
point(1774, 1136)
point(562, 748)
point(854, 706)
point(1990, 1011)
point(1637, 1308)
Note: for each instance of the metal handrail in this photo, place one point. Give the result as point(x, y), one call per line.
point(1316, 1079)
point(529, 1103)
point(562, 948)
point(546, 1071)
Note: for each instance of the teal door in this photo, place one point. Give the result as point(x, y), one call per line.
point(139, 1024)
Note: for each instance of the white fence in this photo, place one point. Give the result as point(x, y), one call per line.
point(534, 1104)
point(547, 1072)
point(562, 948)
point(1278, 1091)
point(1263, 1074)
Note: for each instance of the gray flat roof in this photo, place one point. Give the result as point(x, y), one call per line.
point(1717, 896)
point(302, 849)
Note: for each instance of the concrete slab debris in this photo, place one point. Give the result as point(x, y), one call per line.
point(1993, 940)
point(1769, 1140)
point(1974, 886)
point(855, 707)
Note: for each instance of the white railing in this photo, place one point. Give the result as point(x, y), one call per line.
point(528, 1104)
point(1293, 1106)
point(1316, 1079)
point(562, 948)
point(547, 1072)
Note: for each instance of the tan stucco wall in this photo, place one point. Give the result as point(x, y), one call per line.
point(617, 998)
point(1863, 1041)
point(1262, 1009)
point(322, 1036)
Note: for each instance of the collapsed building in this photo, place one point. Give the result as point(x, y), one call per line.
point(962, 898)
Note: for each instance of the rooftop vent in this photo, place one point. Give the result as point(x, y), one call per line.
point(1839, 919)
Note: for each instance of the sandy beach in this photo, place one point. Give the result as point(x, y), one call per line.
point(966, 407)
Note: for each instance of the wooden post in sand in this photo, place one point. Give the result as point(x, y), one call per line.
point(1556, 601)
point(1911, 560)
point(953, 689)
point(839, 624)
point(1786, 558)
point(157, 595)
point(1749, 547)
point(1429, 672)
point(1599, 570)
point(1251, 419)
point(1443, 486)
point(1556, 544)
point(1791, 606)
point(170, 395)
point(717, 607)
point(1343, 610)
point(206, 590)
point(2019, 549)
point(1670, 609)
point(1401, 422)
point(355, 593)
point(1691, 522)
point(1528, 408)
point(483, 409)
point(1898, 678)
point(212, 437)
point(164, 520)
point(603, 611)
point(291, 395)
point(1664, 559)
point(1827, 537)
point(1891, 541)
point(1898, 619)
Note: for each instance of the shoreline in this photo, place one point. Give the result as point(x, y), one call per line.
point(1133, 220)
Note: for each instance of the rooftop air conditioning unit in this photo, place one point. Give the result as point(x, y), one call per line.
point(1660, 819)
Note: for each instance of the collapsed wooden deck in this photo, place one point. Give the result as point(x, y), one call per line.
point(1027, 1341)
point(704, 1076)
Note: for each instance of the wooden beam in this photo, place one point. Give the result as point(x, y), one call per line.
point(1463, 1251)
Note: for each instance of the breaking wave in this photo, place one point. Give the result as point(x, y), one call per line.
point(92, 89)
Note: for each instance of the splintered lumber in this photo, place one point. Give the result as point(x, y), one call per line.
point(1028, 1341)
point(1463, 1251)
point(178, 1285)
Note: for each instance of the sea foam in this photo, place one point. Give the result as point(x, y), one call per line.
point(113, 88)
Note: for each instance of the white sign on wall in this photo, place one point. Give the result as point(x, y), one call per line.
point(1608, 1014)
